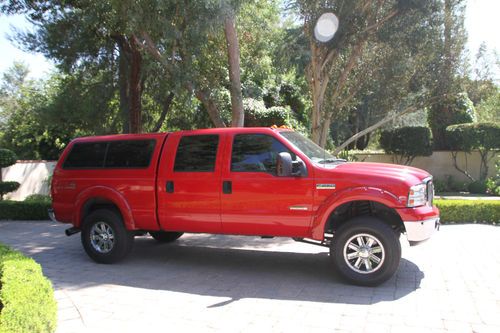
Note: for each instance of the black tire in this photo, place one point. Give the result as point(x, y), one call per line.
point(166, 236)
point(101, 223)
point(384, 247)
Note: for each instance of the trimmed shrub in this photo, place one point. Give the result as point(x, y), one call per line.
point(481, 136)
point(407, 142)
point(7, 158)
point(38, 198)
point(7, 187)
point(466, 137)
point(469, 211)
point(27, 301)
point(23, 210)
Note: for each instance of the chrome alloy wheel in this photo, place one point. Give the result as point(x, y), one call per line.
point(102, 237)
point(364, 253)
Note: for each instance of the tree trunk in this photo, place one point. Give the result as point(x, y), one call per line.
point(211, 107)
point(233, 55)
point(135, 87)
point(123, 74)
point(165, 108)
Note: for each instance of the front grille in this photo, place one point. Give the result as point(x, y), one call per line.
point(430, 192)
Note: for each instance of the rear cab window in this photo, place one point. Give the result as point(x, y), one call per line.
point(118, 154)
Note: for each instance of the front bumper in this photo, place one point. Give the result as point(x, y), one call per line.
point(419, 231)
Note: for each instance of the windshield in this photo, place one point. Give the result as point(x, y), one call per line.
point(309, 148)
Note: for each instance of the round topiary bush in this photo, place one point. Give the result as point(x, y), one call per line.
point(7, 158)
point(407, 142)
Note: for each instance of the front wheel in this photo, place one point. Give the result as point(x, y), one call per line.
point(365, 251)
point(105, 238)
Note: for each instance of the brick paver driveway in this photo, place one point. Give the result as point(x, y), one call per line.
point(207, 283)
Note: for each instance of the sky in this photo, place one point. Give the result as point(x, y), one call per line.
point(481, 22)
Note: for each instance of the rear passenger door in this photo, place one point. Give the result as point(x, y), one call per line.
point(188, 183)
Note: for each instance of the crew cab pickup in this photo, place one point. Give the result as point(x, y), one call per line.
point(269, 182)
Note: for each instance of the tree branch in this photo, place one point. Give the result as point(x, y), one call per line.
point(372, 128)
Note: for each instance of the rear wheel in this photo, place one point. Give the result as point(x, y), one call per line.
point(165, 236)
point(366, 251)
point(105, 238)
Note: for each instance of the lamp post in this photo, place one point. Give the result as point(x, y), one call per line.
point(326, 26)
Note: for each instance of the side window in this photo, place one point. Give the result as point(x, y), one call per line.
point(255, 153)
point(129, 154)
point(196, 153)
point(86, 155)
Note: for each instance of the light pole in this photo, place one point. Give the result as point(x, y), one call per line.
point(326, 26)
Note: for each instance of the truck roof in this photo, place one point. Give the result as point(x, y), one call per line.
point(112, 137)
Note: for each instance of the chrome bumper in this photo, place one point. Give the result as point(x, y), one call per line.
point(419, 231)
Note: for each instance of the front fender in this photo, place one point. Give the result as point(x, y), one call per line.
point(348, 195)
point(108, 194)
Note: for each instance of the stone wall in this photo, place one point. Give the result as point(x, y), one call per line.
point(439, 164)
point(32, 175)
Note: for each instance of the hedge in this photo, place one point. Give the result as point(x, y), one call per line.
point(470, 136)
point(27, 301)
point(23, 210)
point(469, 211)
point(408, 142)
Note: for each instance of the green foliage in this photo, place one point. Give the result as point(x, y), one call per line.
point(493, 183)
point(489, 109)
point(27, 301)
point(449, 185)
point(23, 210)
point(407, 142)
point(457, 109)
point(477, 187)
point(256, 114)
point(7, 158)
point(468, 211)
point(42, 198)
point(7, 187)
point(466, 137)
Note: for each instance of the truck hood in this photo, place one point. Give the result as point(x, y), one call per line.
point(396, 179)
point(409, 175)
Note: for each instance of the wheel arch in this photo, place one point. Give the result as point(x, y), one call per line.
point(337, 209)
point(101, 197)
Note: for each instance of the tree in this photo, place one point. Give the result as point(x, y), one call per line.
point(448, 62)
point(233, 55)
point(337, 69)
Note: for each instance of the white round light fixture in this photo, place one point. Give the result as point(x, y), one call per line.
point(326, 27)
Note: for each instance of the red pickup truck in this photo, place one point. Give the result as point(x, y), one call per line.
point(242, 181)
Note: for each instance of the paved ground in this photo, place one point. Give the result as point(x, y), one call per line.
point(231, 284)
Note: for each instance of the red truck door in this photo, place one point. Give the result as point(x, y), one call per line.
point(255, 201)
point(189, 182)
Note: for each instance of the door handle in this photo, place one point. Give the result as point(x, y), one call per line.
point(227, 187)
point(170, 186)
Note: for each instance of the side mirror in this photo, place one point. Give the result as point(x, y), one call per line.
point(286, 167)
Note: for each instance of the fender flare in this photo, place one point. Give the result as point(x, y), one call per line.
point(347, 195)
point(108, 194)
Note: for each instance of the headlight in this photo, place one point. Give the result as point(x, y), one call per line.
point(416, 196)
